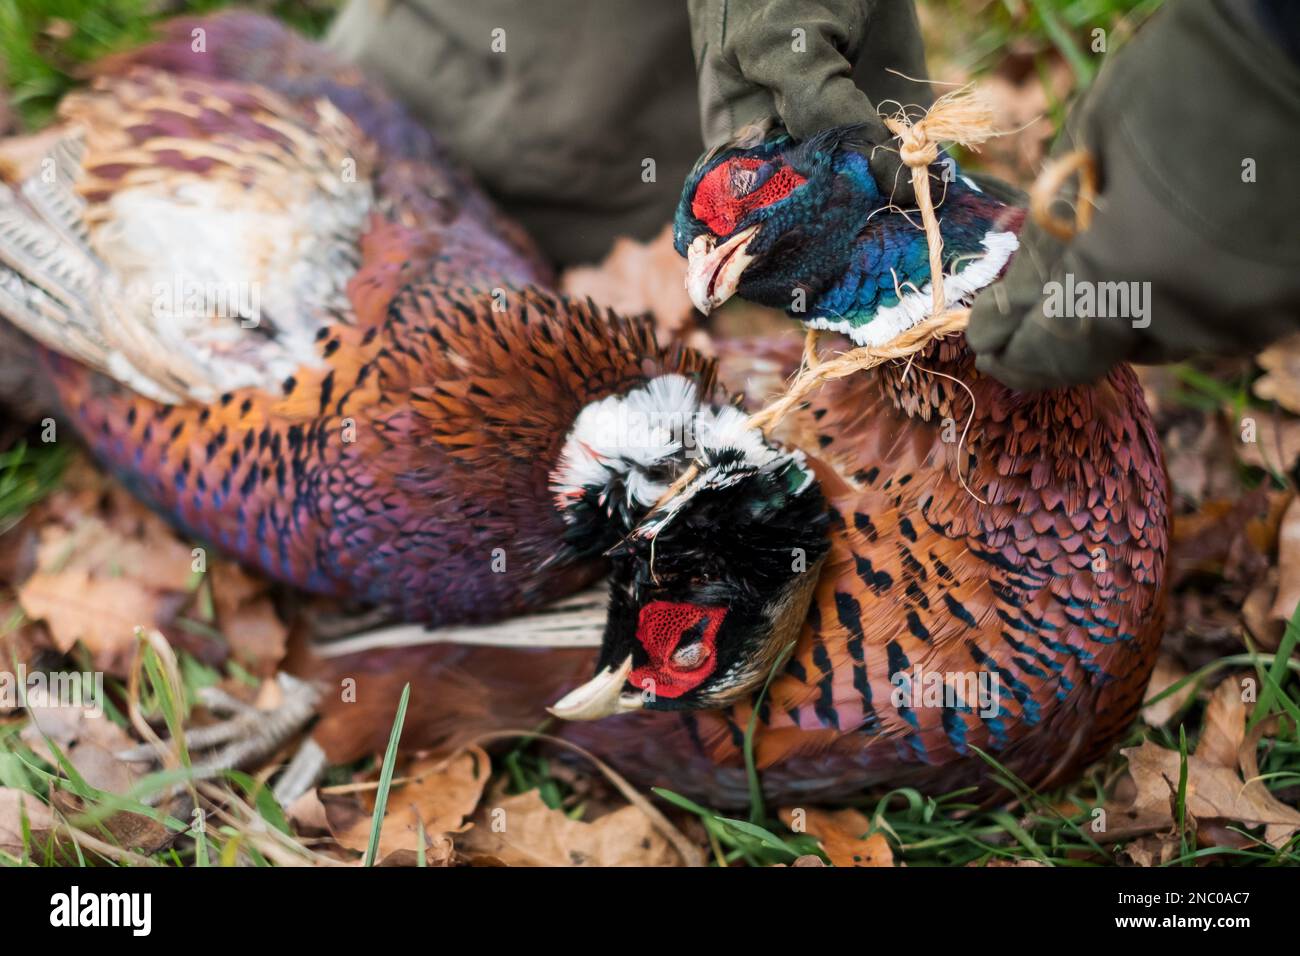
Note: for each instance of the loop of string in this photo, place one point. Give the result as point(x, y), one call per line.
point(962, 117)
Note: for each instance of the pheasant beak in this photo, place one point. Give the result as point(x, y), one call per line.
point(713, 271)
point(602, 696)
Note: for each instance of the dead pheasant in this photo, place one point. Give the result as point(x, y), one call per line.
point(994, 577)
point(277, 311)
point(382, 419)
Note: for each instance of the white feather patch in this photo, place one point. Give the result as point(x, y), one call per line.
point(648, 436)
point(891, 321)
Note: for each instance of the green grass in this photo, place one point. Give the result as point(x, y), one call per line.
point(386, 778)
point(975, 36)
point(241, 822)
point(924, 830)
point(27, 474)
point(44, 44)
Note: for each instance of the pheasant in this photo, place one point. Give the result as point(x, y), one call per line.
point(996, 559)
point(273, 306)
point(991, 576)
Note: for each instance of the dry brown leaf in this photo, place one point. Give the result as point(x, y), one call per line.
point(1281, 381)
point(1213, 833)
point(23, 643)
point(1224, 728)
point(438, 795)
point(841, 836)
point(1257, 613)
point(1200, 459)
point(105, 564)
point(1233, 538)
point(89, 740)
point(246, 616)
point(1288, 563)
point(638, 277)
point(1167, 673)
point(1248, 759)
point(148, 552)
point(14, 806)
point(522, 830)
point(96, 585)
point(1214, 793)
point(308, 813)
point(130, 831)
point(1155, 849)
point(101, 613)
point(1276, 445)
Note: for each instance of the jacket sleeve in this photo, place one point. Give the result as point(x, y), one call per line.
point(1192, 131)
point(791, 59)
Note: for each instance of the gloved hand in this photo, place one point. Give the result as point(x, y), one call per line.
point(1193, 131)
point(794, 61)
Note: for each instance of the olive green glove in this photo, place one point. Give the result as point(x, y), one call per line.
point(1193, 129)
point(812, 64)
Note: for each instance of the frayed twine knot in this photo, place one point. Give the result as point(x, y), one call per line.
point(915, 150)
point(961, 116)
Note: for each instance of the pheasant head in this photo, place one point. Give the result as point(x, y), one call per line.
point(714, 582)
point(804, 228)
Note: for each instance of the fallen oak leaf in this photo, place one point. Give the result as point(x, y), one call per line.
point(521, 830)
point(247, 617)
point(1224, 728)
point(1248, 760)
point(96, 585)
point(307, 814)
point(1275, 445)
point(1167, 673)
point(432, 801)
point(1233, 539)
point(638, 277)
point(100, 613)
point(1288, 563)
point(1257, 612)
point(842, 836)
point(88, 740)
point(105, 565)
point(1281, 381)
point(131, 831)
point(1214, 793)
point(1153, 850)
point(17, 807)
point(690, 854)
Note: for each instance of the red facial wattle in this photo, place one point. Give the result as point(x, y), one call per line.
point(664, 627)
point(717, 203)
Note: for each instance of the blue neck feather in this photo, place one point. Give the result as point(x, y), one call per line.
point(890, 256)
